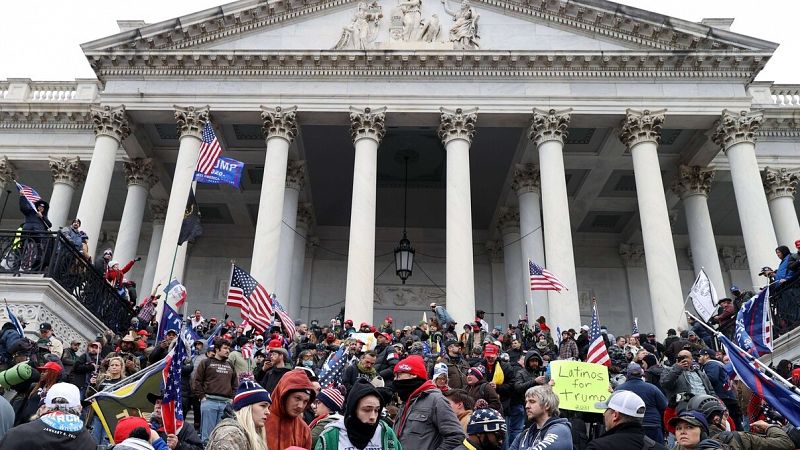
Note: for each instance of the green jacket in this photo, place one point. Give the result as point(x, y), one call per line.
point(774, 439)
point(329, 439)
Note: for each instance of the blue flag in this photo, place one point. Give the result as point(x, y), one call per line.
point(225, 171)
point(754, 325)
point(170, 320)
point(214, 333)
point(773, 392)
point(333, 369)
point(14, 321)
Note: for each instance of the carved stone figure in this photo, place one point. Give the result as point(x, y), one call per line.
point(412, 14)
point(430, 29)
point(464, 32)
point(363, 30)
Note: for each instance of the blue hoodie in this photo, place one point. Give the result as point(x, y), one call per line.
point(556, 434)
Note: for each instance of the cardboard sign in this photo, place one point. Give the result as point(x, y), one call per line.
point(579, 385)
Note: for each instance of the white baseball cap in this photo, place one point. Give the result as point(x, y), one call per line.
point(66, 391)
point(625, 402)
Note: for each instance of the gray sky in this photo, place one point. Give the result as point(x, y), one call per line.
point(40, 39)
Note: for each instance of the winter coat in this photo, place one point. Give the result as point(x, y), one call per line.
point(317, 427)
point(625, 436)
point(784, 272)
point(654, 400)
point(456, 371)
point(335, 437)
point(555, 434)
point(273, 376)
point(505, 387)
point(653, 376)
point(568, 349)
point(484, 390)
point(427, 422)
point(705, 444)
point(141, 444)
point(675, 381)
point(8, 336)
point(188, 439)
point(715, 371)
point(526, 378)
point(32, 220)
point(116, 276)
point(228, 435)
point(54, 430)
point(284, 430)
point(773, 439)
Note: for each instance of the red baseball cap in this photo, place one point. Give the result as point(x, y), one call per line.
point(414, 365)
point(143, 333)
point(491, 349)
point(51, 365)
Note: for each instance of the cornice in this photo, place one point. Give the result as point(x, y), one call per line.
point(56, 120)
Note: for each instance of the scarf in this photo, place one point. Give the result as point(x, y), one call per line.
point(359, 432)
point(404, 388)
point(371, 371)
point(422, 386)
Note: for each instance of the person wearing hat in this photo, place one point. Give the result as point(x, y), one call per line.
point(328, 408)
point(547, 431)
point(440, 376)
point(425, 421)
point(115, 276)
point(766, 436)
point(215, 384)
point(246, 429)
point(457, 365)
point(69, 358)
point(47, 342)
point(655, 401)
point(35, 215)
point(480, 316)
point(480, 389)
point(363, 369)
point(653, 346)
point(285, 425)
point(72, 233)
point(486, 429)
point(718, 377)
point(26, 406)
point(277, 365)
point(388, 325)
point(567, 349)
point(622, 417)
point(691, 432)
point(187, 437)
point(725, 317)
point(58, 425)
point(8, 336)
point(134, 433)
point(129, 352)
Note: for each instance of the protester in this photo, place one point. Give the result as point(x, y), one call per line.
point(480, 389)
point(685, 376)
point(285, 425)
point(328, 408)
point(277, 366)
point(363, 369)
point(462, 404)
point(547, 431)
point(134, 433)
point(486, 429)
point(214, 384)
point(654, 400)
point(187, 437)
point(622, 418)
point(691, 432)
point(246, 429)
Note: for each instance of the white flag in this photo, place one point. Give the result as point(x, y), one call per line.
point(704, 296)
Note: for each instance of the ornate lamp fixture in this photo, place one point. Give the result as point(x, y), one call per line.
point(404, 253)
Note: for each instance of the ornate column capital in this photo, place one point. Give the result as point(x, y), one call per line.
point(526, 179)
point(139, 171)
point(279, 122)
point(734, 258)
point(70, 171)
point(779, 182)
point(693, 180)
point(158, 209)
point(191, 120)
point(457, 124)
point(641, 126)
point(112, 122)
point(508, 221)
point(495, 251)
point(305, 215)
point(734, 128)
point(632, 255)
point(8, 172)
point(550, 125)
point(295, 174)
point(367, 123)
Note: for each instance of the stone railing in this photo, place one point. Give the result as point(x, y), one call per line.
point(23, 90)
point(786, 95)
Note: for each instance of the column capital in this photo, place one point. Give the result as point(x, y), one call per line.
point(66, 170)
point(279, 122)
point(494, 249)
point(632, 255)
point(549, 125)
point(457, 124)
point(295, 174)
point(734, 258)
point(191, 120)
point(112, 122)
point(139, 172)
point(693, 180)
point(8, 172)
point(367, 123)
point(508, 221)
point(734, 128)
point(158, 209)
point(305, 215)
point(780, 182)
point(526, 179)
point(641, 126)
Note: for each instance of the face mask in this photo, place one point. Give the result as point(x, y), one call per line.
point(308, 363)
point(405, 388)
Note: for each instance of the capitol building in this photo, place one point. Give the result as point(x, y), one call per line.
point(621, 149)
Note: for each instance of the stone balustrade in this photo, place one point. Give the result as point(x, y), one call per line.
point(786, 95)
point(22, 90)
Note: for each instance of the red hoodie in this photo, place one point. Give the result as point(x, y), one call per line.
point(284, 430)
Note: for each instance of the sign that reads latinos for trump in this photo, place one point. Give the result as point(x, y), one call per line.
point(225, 171)
point(579, 385)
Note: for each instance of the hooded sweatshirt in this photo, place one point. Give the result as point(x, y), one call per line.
point(284, 430)
point(555, 434)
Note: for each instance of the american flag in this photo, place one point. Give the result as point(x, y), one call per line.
point(251, 297)
point(635, 332)
point(598, 353)
point(29, 193)
point(209, 150)
point(333, 369)
point(247, 351)
point(544, 280)
point(286, 321)
point(171, 409)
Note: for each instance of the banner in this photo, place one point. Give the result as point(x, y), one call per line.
point(579, 385)
point(367, 338)
point(703, 296)
point(225, 171)
point(754, 325)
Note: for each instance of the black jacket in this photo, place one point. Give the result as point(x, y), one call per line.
point(272, 377)
point(625, 436)
point(188, 438)
point(526, 378)
point(506, 391)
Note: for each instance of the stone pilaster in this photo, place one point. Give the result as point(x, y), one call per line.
point(457, 124)
point(641, 126)
point(191, 120)
point(735, 128)
point(295, 175)
point(279, 122)
point(526, 179)
point(368, 123)
point(139, 171)
point(550, 125)
point(69, 171)
point(693, 180)
point(112, 122)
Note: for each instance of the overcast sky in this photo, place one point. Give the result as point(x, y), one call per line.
point(40, 39)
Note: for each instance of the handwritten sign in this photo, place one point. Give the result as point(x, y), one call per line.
point(579, 385)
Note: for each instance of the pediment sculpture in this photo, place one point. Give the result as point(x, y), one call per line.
point(362, 31)
point(464, 32)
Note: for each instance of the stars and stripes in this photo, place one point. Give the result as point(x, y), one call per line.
point(635, 332)
point(252, 298)
point(544, 280)
point(29, 193)
point(333, 369)
point(171, 408)
point(247, 350)
point(754, 325)
point(288, 323)
point(210, 149)
point(598, 353)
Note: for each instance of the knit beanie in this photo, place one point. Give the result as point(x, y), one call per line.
point(250, 393)
point(478, 372)
point(414, 365)
point(440, 369)
point(332, 398)
point(125, 426)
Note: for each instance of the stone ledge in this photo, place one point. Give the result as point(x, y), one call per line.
point(786, 346)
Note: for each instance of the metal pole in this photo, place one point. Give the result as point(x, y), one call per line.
point(3, 211)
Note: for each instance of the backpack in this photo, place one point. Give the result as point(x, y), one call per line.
point(330, 438)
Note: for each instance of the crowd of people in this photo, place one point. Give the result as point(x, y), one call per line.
point(419, 387)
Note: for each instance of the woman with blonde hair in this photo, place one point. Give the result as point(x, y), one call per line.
point(245, 430)
point(101, 381)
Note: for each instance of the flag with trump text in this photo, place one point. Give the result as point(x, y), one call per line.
point(598, 353)
point(170, 320)
point(754, 325)
point(251, 298)
point(171, 406)
point(210, 149)
point(544, 280)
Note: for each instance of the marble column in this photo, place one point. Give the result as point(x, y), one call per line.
point(110, 128)
point(780, 186)
point(693, 185)
point(140, 178)
point(280, 129)
point(494, 249)
point(736, 134)
point(158, 211)
point(295, 176)
point(7, 176)
point(548, 131)
point(641, 133)
point(367, 130)
point(305, 217)
point(457, 128)
point(633, 258)
point(516, 296)
point(191, 121)
point(526, 183)
point(68, 174)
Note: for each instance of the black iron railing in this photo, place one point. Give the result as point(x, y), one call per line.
point(785, 303)
point(52, 255)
